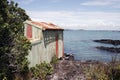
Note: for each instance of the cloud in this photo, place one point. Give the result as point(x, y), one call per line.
point(79, 20)
point(101, 3)
point(96, 3)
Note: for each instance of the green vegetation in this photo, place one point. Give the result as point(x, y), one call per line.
point(96, 72)
point(14, 46)
point(54, 60)
point(109, 71)
point(42, 70)
point(114, 71)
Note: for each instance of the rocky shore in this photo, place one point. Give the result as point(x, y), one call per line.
point(69, 69)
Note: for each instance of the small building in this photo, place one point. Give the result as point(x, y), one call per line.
point(46, 40)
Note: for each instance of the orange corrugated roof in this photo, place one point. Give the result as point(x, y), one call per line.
point(45, 25)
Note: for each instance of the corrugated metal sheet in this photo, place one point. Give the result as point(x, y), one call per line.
point(44, 25)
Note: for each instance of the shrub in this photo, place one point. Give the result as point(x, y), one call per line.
point(111, 71)
point(42, 70)
point(14, 47)
point(96, 72)
point(114, 71)
point(54, 60)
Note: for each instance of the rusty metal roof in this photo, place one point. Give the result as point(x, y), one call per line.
point(44, 25)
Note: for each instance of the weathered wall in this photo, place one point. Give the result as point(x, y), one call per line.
point(50, 42)
point(61, 44)
point(37, 53)
point(44, 45)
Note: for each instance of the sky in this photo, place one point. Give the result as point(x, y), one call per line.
point(75, 14)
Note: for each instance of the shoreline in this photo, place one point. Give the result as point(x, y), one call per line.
point(70, 57)
point(69, 69)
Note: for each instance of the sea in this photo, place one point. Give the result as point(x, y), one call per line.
point(80, 43)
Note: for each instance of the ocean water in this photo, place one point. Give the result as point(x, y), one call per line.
point(80, 43)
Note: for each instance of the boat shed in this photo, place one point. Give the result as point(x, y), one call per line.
point(46, 40)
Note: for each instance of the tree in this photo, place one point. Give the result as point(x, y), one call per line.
point(14, 46)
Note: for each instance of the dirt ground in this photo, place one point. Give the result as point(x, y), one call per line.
point(70, 70)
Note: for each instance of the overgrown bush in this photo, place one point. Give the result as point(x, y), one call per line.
point(54, 60)
point(42, 70)
point(14, 46)
point(114, 71)
point(96, 72)
point(109, 71)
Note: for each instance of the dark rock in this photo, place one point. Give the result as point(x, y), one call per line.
point(61, 58)
point(110, 49)
point(92, 61)
point(108, 41)
point(68, 56)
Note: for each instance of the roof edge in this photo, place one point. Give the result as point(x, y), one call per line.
point(30, 22)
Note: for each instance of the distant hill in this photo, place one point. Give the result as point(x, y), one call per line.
point(74, 29)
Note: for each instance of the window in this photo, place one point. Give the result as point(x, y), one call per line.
point(29, 31)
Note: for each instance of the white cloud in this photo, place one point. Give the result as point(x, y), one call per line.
point(79, 20)
point(101, 3)
point(96, 3)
